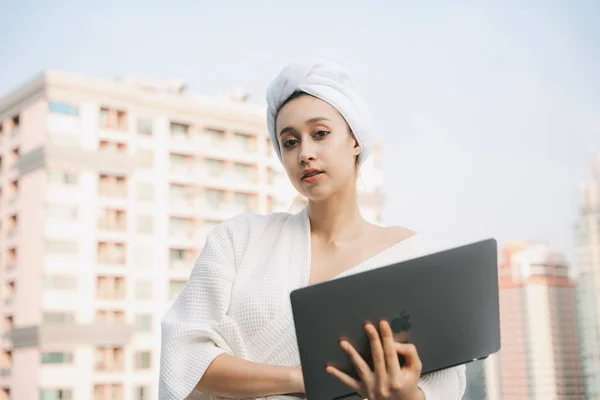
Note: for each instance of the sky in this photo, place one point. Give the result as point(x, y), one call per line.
point(489, 111)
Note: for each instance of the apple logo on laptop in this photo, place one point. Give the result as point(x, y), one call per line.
point(401, 324)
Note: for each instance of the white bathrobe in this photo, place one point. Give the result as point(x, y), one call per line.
point(236, 301)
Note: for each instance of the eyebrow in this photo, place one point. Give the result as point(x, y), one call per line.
point(307, 122)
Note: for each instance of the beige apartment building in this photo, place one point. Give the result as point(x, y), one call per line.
point(587, 253)
point(539, 358)
point(107, 191)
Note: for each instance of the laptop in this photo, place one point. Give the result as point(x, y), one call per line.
point(445, 303)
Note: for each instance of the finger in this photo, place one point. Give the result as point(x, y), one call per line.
point(376, 352)
point(411, 356)
point(359, 363)
point(389, 349)
point(344, 378)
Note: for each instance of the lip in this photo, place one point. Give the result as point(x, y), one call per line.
point(311, 178)
point(309, 171)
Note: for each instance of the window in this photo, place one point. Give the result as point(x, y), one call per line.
point(14, 123)
point(242, 170)
point(111, 252)
point(110, 287)
point(64, 139)
point(145, 127)
point(112, 219)
point(61, 247)
point(142, 359)
point(57, 358)
point(63, 213)
point(141, 393)
point(109, 359)
point(144, 224)
point(110, 118)
point(112, 185)
point(145, 191)
point(180, 227)
point(110, 146)
point(245, 142)
point(60, 282)
point(56, 394)
point(144, 256)
point(145, 157)
point(58, 317)
point(107, 391)
point(143, 289)
point(215, 198)
point(110, 316)
point(214, 137)
point(215, 168)
point(62, 178)
point(143, 323)
point(178, 129)
point(243, 200)
point(175, 287)
point(179, 255)
point(210, 224)
point(179, 163)
point(63, 108)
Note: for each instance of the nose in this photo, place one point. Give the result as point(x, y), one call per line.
point(307, 153)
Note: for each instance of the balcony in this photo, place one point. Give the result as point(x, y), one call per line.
point(112, 226)
point(232, 181)
point(96, 334)
point(185, 173)
point(184, 142)
point(111, 259)
point(113, 119)
point(113, 191)
point(110, 360)
point(186, 205)
point(181, 265)
point(222, 211)
point(226, 150)
point(110, 289)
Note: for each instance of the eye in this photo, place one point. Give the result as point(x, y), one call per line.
point(321, 133)
point(289, 143)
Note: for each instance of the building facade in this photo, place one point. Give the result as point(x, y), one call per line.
point(107, 192)
point(539, 358)
point(587, 262)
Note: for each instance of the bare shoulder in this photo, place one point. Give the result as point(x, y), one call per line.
point(390, 235)
point(394, 234)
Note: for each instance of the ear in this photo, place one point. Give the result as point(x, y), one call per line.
point(356, 148)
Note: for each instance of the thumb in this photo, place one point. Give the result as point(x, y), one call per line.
point(411, 357)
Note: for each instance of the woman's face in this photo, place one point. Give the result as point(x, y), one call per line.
point(317, 148)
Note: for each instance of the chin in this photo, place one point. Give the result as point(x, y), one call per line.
point(317, 194)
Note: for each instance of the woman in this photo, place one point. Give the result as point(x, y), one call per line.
point(230, 333)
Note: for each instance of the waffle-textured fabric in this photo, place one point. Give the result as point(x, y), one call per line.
point(236, 301)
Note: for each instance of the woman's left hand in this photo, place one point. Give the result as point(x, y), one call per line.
point(389, 380)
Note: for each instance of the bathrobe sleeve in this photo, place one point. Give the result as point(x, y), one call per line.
point(447, 384)
point(196, 329)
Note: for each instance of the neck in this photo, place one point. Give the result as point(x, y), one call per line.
point(336, 218)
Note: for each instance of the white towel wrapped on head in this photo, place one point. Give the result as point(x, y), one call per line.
point(329, 82)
